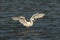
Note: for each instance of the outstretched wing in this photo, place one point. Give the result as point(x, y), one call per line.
point(37, 15)
point(21, 19)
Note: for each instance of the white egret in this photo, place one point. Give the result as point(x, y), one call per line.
point(29, 23)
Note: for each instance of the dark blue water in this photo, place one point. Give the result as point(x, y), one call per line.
point(47, 28)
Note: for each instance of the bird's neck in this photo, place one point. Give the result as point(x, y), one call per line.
point(31, 21)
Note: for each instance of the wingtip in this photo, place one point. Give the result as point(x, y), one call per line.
point(43, 14)
point(14, 18)
point(40, 13)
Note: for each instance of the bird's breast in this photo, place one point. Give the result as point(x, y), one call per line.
point(28, 24)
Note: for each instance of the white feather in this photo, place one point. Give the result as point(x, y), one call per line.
point(25, 23)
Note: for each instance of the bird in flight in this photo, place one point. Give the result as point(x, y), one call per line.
point(29, 23)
